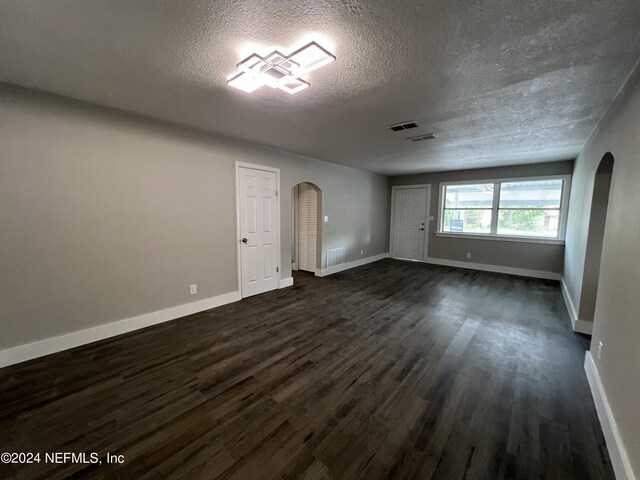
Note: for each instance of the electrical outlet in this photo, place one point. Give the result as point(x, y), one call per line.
point(468, 254)
point(193, 289)
point(361, 252)
point(600, 345)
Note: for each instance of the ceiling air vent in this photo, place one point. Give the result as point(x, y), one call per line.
point(402, 126)
point(420, 138)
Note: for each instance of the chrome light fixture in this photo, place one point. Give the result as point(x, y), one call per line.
point(278, 70)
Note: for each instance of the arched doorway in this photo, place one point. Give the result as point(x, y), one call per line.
point(307, 227)
point(595, 237)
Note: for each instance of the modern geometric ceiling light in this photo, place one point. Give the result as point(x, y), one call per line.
point(278, 70)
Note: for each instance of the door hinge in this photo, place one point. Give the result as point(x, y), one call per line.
point(277, 269)
point(276, 193)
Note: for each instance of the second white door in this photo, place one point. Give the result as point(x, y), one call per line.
point(409, 223)
point(307, 227)
point(259, 223)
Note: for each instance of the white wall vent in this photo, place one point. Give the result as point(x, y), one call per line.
point(335, 256)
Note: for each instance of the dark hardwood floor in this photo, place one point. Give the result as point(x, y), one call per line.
point(391, 370)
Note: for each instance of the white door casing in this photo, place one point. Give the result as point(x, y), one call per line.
point(258, 227)
point(409, 226)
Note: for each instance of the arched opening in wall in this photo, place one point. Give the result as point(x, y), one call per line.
point(595, 237)
point(307, 227)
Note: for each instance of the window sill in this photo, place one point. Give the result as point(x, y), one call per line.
point(502, 238)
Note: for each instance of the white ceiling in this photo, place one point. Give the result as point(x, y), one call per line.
point(498, 81)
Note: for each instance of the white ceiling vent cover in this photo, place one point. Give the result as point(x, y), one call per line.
point(420, 138)
point(398, 127)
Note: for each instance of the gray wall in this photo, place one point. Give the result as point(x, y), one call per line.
point(617, 312)
point(533, 256)
point(597, 218)
point(105, 215)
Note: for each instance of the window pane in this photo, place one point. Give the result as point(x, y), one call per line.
point(469, 196)
point(468, 221)
point(531, 194)
point(533, 223)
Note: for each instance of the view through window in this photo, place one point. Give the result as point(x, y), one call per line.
point(523, 208)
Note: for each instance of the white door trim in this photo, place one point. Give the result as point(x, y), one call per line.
point(394, 189)
point(238, 234)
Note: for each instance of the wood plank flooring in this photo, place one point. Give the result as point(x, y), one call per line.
point(391, 370)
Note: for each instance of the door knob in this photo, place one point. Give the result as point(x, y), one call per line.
point(422, 229)
point(244, 240)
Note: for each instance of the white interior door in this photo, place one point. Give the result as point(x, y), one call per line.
point(307, 227)
point(259, 224)
point(409, 223)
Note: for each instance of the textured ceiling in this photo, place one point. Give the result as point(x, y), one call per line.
point(498, 81)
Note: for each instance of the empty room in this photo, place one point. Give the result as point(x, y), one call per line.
point(323, 239)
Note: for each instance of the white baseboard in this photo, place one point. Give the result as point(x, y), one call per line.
point(286, 282)
point(29, 351)
point(346, 266)
point(573, 313)
point(524, 272)
point(580, 326)
point(617, 452)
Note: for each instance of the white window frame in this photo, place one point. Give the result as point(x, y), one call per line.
point(562, 222)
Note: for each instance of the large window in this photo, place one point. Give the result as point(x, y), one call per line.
point(532, 208)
